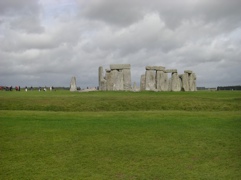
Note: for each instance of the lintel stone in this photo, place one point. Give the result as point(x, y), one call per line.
point(188, 71)
point(156, 68)
point(171, 71)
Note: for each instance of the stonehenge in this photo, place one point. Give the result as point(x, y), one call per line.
point(117, 78)
point(156, 79)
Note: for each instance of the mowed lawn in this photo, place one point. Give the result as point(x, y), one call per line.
point(120, 135)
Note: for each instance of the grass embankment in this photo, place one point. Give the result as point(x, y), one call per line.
point(137, 140)
point(120, 101)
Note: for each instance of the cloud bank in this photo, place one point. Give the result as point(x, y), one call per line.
point(45, 43)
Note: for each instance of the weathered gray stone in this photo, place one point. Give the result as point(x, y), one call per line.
point(101, 76)
point(120, 80)
point(150, 80)
point(142, 82)
point(102, 81)
point(126, 79)
point(156, 79)
point(175, 82)
point(103, 85)
point(162, 81)
point(192, 85)
point(170, 71)
point(120, 66)
point(109, 85)
point(73, 86)
point(188, 71)
point(116, 80)
point(185, 82)
point(156, 68)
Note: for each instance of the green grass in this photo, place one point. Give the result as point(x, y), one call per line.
point(120, 101)
point(120, 135)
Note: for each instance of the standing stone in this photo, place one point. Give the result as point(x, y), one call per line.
point(73, 86)
point(150, 80)
point(192, 82)
point(175, 82)
point(142, 83)
point(103, 85)
point(126, 79)
point(100, 76)
point(162, 81)
point(113, 78)
point(185, 82)
point(119, 80)
point(109, 86)
point(102, 81)
point(116, 80)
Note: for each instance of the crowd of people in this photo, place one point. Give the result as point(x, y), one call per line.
point(18, 88)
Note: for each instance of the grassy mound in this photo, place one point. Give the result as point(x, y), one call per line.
point(121, 101)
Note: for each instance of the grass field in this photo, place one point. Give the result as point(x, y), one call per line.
point(120, 135)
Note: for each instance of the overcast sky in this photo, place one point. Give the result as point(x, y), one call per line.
point(46, 42)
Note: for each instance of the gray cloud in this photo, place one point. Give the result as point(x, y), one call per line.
point(45, 43)
point(19, 6)
point(113, 12)
point(21, 15)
